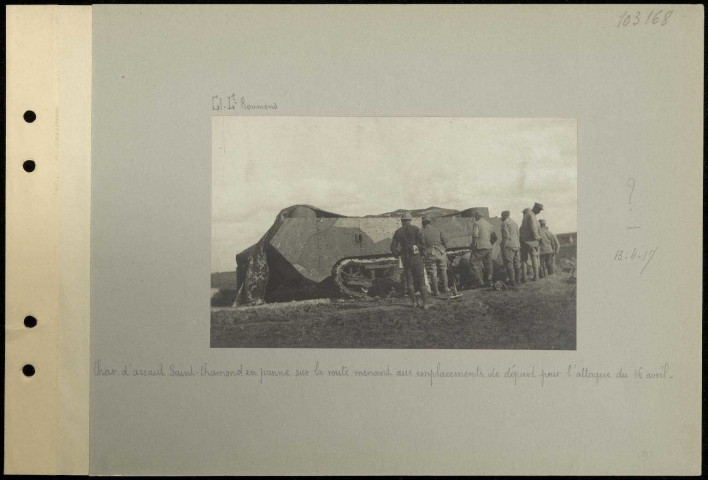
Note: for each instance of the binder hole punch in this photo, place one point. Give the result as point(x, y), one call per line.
point(29, 116)
point(30, 321)
point(28, 370)
point(28, 165)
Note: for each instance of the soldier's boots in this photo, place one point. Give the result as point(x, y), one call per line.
point(420, 303)
point(517, 273)
point(433, 284)
point(535, 266)
point(414, 300)
point(443, 278)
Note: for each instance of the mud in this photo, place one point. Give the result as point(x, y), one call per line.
point(536, 315)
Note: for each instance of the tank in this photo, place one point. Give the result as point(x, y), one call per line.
point(310, 253)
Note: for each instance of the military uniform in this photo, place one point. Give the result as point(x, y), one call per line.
point(530, 236)
point(549, 247)
point(407, 243)
point(481, 258)
point(510, 248)
point(434, 243)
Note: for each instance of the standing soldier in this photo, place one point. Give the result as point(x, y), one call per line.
point(549, 249)
point(556, 250)
point(545, 250)
point(530, 235)
point(481, 258)
point(510, 248)
point(434, 243)
point(407, 243)
point(525, 262)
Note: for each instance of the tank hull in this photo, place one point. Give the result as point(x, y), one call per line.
point(309, 255)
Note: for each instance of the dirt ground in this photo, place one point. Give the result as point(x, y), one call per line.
point(537, 315)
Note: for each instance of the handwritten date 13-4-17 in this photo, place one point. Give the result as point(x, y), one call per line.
point(635, 256)
point(655, 17)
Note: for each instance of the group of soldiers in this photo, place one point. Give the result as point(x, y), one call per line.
point(528, 252)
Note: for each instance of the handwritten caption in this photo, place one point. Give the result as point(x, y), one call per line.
point(512, 373)
point(659, 18)
point(634, 256)
point(231, 102)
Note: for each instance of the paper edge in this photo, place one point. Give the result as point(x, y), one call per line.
point(46, 416)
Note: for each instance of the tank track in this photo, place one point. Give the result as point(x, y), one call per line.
point(351, 284)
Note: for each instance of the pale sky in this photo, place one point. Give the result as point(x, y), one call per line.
point(359, 166)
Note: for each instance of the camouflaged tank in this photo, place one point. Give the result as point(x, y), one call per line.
point(310, 253)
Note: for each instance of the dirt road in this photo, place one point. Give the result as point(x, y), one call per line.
point(536, 315)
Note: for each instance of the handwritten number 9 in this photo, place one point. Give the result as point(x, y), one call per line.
point(631, 183)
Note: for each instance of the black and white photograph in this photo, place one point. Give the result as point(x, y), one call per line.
point(394, 232)
point(354, 240)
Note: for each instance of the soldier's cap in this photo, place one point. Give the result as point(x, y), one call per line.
point(526, 210)
point(407, 216)
point(506, 212)
point(542, 221)
point(538, 206)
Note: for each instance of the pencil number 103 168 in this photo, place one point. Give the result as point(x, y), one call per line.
point(655, 17)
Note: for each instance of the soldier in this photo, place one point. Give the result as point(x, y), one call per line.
point(481, 258)
point(434, 243)
point(510, 248)
point(530, 235)
point(548, 249)
point(525, 263)
point(556, 250)
point(407, 244)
